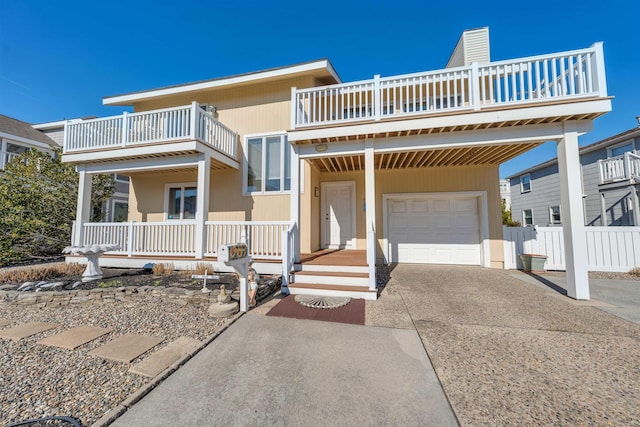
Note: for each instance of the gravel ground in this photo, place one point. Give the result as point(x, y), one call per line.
point(38, 381)
point(512, 354)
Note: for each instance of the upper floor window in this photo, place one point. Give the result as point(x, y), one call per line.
point(121, 178)
point(620, 149)
point(267, 168)
point(180, 201)
point(527, 217)
point(554, 215)
point(525, 183)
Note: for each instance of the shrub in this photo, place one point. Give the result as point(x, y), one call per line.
point(635, 271)
point(201, 267)
point(42, 272)
point(163, 269)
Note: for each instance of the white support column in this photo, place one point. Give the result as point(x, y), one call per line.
point(202, 202)
point(370, 210)
point(636, 205)
point(603, 210)
point(83, 210)
point(575, 239)
point(294, 203)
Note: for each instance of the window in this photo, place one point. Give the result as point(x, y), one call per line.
point(527, 217)
point(121, 178)
point(120, 212)
point(180, 201)
point(554, 215)
point(620, 149)
point(268, 165)
point(525, 183)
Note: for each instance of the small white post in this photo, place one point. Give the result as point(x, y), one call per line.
point(294, 107)
point(285, 259)
point(194, 119)
point(377, 98)
point(294, 216)
point(125, 129)
point(370, 209)
point(131, 239)
point(474, 85)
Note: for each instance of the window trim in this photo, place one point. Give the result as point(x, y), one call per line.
point(284, 137)
point(524, 221)
point(167, 188)
point(551, 220)
point(618, 145)
point(522, 190)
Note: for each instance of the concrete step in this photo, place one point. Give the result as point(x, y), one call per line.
point(331, 278)
point(325, 289)
point(162, 359)
point(74, 338)
point(126, 348)
point(26, 330)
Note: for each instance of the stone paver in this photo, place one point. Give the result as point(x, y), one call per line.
point(126, 348)
point(4, 322)
point(74, 338)
point(165, 357)
point(26, 330)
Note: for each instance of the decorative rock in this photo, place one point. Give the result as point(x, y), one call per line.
point(26, 285)
point(76, 284)
point(7, 287)
point(28, 288)
point(42, 283)
point(223, 310)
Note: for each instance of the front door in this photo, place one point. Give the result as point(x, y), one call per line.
point(338, 215)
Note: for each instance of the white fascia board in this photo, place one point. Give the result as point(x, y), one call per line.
point(25, 141)
point(118, 153)
point(128, 99)
point(465, 118)
point(50, 125)
point(141, 165)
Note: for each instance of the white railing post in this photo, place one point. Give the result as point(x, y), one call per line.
point(474, 86)
point(131, 238)
point(371, 257)
point(125, 129)
point(627, 165)
point(601, 79)
point(285, 258)
point(294, 107)
point(377, 98)
point(194, 120)
point(65, 137)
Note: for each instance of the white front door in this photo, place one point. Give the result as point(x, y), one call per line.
point(338, 215)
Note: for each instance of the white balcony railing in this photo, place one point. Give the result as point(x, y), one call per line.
point(620, 168)
point(539, 79)
point(173, 238)
point(166, 125)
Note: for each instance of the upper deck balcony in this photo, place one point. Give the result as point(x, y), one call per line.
point(169, 131)
point(620, 169)
point(447, 98)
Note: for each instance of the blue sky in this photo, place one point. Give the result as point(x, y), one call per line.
point(59, 58)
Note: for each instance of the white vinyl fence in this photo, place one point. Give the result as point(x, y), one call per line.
point(615, 249)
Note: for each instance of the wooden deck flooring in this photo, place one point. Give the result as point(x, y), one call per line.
point(339, 257)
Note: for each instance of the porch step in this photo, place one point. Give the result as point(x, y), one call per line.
point(331, 278)
point(332, 268)
point(323, 289)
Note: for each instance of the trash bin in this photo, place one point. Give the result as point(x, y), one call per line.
point(533, 262)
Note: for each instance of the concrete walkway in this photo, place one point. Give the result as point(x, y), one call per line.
point(278, 371)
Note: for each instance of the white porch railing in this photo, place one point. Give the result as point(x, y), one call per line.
point(619, 168)
point(537, 79)
point(178, 238)
point(288, 254)
point(165, 125)
point(615, 249)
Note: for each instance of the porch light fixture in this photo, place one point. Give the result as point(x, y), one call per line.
point(320, 148)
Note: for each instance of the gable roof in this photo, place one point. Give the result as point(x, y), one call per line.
point(23, 131)
point(612, 140)
point(321, 69)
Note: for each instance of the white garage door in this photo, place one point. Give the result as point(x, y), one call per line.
point(434, 230)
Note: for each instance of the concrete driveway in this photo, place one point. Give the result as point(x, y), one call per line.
point(512, 353)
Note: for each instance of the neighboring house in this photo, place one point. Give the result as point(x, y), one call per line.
point(610, 185)
point(17, 136)
point(505, 192)
point(400, 169)
point(116, 209)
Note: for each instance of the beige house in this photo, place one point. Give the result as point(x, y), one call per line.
point(326, 179)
